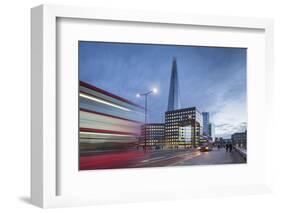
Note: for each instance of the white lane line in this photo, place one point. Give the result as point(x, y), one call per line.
point(188, 156)
point(152, 159)
point(156, 160)
point(193, 155)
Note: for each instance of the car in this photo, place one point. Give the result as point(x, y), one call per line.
point(206, 147)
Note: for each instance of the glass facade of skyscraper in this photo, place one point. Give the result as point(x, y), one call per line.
point(206, 120)
point(211, 130)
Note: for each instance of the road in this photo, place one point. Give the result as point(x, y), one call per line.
point(157, 158)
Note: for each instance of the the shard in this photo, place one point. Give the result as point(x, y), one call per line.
point(174, 92)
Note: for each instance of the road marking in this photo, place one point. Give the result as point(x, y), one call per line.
point(164, 158)
point(152, 159)
point(193, 155)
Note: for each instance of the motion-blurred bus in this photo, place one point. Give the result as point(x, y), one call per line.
point(107, 121)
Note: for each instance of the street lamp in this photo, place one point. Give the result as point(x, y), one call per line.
point(153, 91)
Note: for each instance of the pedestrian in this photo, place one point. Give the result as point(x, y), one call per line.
point(226, 147)
point(230, 147)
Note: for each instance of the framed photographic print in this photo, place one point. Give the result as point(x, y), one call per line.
point(116, 131)
point(151, 106)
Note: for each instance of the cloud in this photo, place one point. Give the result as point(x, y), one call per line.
point(212, 79)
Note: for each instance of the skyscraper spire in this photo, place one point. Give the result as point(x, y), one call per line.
point(174, 93)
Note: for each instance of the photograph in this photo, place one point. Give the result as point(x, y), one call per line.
point(161, 105)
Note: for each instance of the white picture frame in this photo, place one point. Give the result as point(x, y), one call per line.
point(45, 168)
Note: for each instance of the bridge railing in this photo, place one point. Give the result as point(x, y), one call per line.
point(241, 151)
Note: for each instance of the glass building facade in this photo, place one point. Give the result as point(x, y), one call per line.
point(174, 91)
point(211, 130)
point(206, 121)
point(183, 127)
point(152, 135)
point(185, 134)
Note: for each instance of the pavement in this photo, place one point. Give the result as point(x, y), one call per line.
point(157, 158)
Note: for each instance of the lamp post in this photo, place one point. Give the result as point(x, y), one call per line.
point(154, 90)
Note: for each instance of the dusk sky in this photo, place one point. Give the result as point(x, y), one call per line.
point(212, 79)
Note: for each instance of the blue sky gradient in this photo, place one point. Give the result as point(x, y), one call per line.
point(212, 79)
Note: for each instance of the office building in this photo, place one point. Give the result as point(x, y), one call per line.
point(206, 121)
point(211, 130)
point(239, 139)
point(183, 128)
point(152, 135)
point(174, 91)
